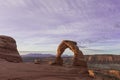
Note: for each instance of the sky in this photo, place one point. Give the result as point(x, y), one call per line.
point(40, 25)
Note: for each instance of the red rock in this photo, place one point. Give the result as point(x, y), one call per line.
point(79, 63)
point(8, 49)
point(103, 59)
point(78, 55)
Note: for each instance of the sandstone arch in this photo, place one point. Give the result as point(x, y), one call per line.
point(78, 55)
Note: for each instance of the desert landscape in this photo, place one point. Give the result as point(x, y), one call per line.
point(16, 67)
point(59, 39)
point(100, 70)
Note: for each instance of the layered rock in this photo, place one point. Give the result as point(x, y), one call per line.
point(79, 63)
point(103, 59)
point(8, 49)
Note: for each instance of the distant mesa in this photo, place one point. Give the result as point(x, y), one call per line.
point(103, 59)
point(8, 49)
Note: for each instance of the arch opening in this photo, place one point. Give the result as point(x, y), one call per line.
point(78, 58)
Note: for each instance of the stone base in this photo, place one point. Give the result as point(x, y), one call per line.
point(58, 61)
point(79, 62)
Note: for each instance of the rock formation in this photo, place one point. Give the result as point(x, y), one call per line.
point(79, 63)
point(103, 59)
point(78, 55)
point(37, 61)
point(8, 49)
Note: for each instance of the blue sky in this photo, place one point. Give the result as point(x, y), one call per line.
point(40, 25)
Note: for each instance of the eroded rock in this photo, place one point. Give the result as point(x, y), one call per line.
point(79, 63)
point(8, 49)
point(78, 55)
point(103, 59)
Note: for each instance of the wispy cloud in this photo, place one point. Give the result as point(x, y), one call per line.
point(37, 23)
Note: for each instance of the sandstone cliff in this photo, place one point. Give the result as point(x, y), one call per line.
point(8, 49)
point(103, 59)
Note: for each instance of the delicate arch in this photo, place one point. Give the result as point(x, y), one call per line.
point(78, 55)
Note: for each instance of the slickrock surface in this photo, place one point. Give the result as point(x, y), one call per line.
point(31, 71)
point(43, 71)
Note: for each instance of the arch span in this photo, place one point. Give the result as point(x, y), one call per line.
point(78, 59)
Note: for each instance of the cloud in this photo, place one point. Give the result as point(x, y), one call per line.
point(38, 23)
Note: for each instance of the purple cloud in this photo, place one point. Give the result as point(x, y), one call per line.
point(39, 23)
